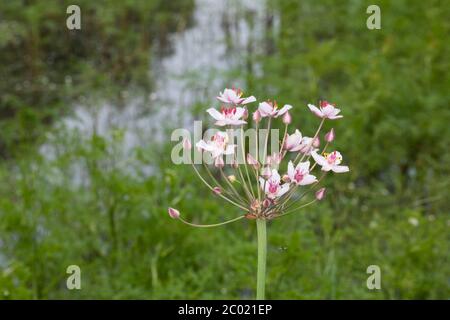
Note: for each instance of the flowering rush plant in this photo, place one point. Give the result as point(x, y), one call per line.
point(264, 181)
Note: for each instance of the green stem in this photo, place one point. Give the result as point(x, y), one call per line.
point(262, 257)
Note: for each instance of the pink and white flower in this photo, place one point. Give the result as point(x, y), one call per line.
point(234, 97)
point(274, 159)
point(320, 194)
point(269, 109)
point(218, 145)
point(296, 142)
point(330, 161)
point(326, 110)
point(272, 187)
point(228, 116)
point(300, 174)
point(309, 144)
point(252, 161)
point(293, 142)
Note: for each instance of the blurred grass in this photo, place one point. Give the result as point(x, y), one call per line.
point(392, 85)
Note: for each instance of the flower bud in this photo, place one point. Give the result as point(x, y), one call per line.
point(174, 213)
point(256, 116)
point(329, 136)
point(219, 162)
point(286, 178)
point(252, 161)
point(217, 190)
point(255, 205)
point(266, 203)
point(187, 144)
point(287, 119)
point(231, 178)
point(320, 194)
point(245, 115)
point(316, 142)
point(266, 173)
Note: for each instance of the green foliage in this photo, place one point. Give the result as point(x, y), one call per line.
point(46, 67)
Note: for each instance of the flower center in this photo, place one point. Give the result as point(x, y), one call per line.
point(298, 176)
point(325, 103)
point(333, 157)
point(220, 141)
point(238, 91)
point(228, 112)
point(273, 188)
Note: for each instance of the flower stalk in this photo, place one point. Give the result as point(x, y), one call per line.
point(275, 194)
point(262, 259)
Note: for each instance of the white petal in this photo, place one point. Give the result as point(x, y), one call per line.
point(328, 110)
point(336, 111)
point(291, 170)
point(275, 178)
point(222, 123)
point(308, 179)
point(203, 145)
point(283, 110)
point(239, 113)
point(303, 166)
point(266, 187)
point(296, 148)
point(265, 109)
point(293, 141)
point(319, 159)
point(235, 122)
point(315, 110)
point(215, 114)
point(223, 99)
point(261, 182)
point(340, 169)
point(249, 100)
point(284, 188)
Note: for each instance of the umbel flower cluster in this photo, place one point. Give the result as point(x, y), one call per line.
point(262, 183)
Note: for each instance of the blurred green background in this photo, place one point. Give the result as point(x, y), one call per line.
point(85, 169)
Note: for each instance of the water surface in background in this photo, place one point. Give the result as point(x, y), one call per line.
point(198, 67)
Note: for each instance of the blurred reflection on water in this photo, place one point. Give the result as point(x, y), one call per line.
point(191, 72)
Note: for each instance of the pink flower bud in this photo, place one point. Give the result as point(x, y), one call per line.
point(174, 213)
point(320, 194)
point(287, 119)
point(329, 136)
point(219, 162)
point(266, 203)
point(217, 190)
point(187, 144)
point(245, 115)
point(252, 161)
point(256, 116)
point(266, 173)
point(255, 205)
point(232, 178)
point(316, 142)
point(286, 178)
